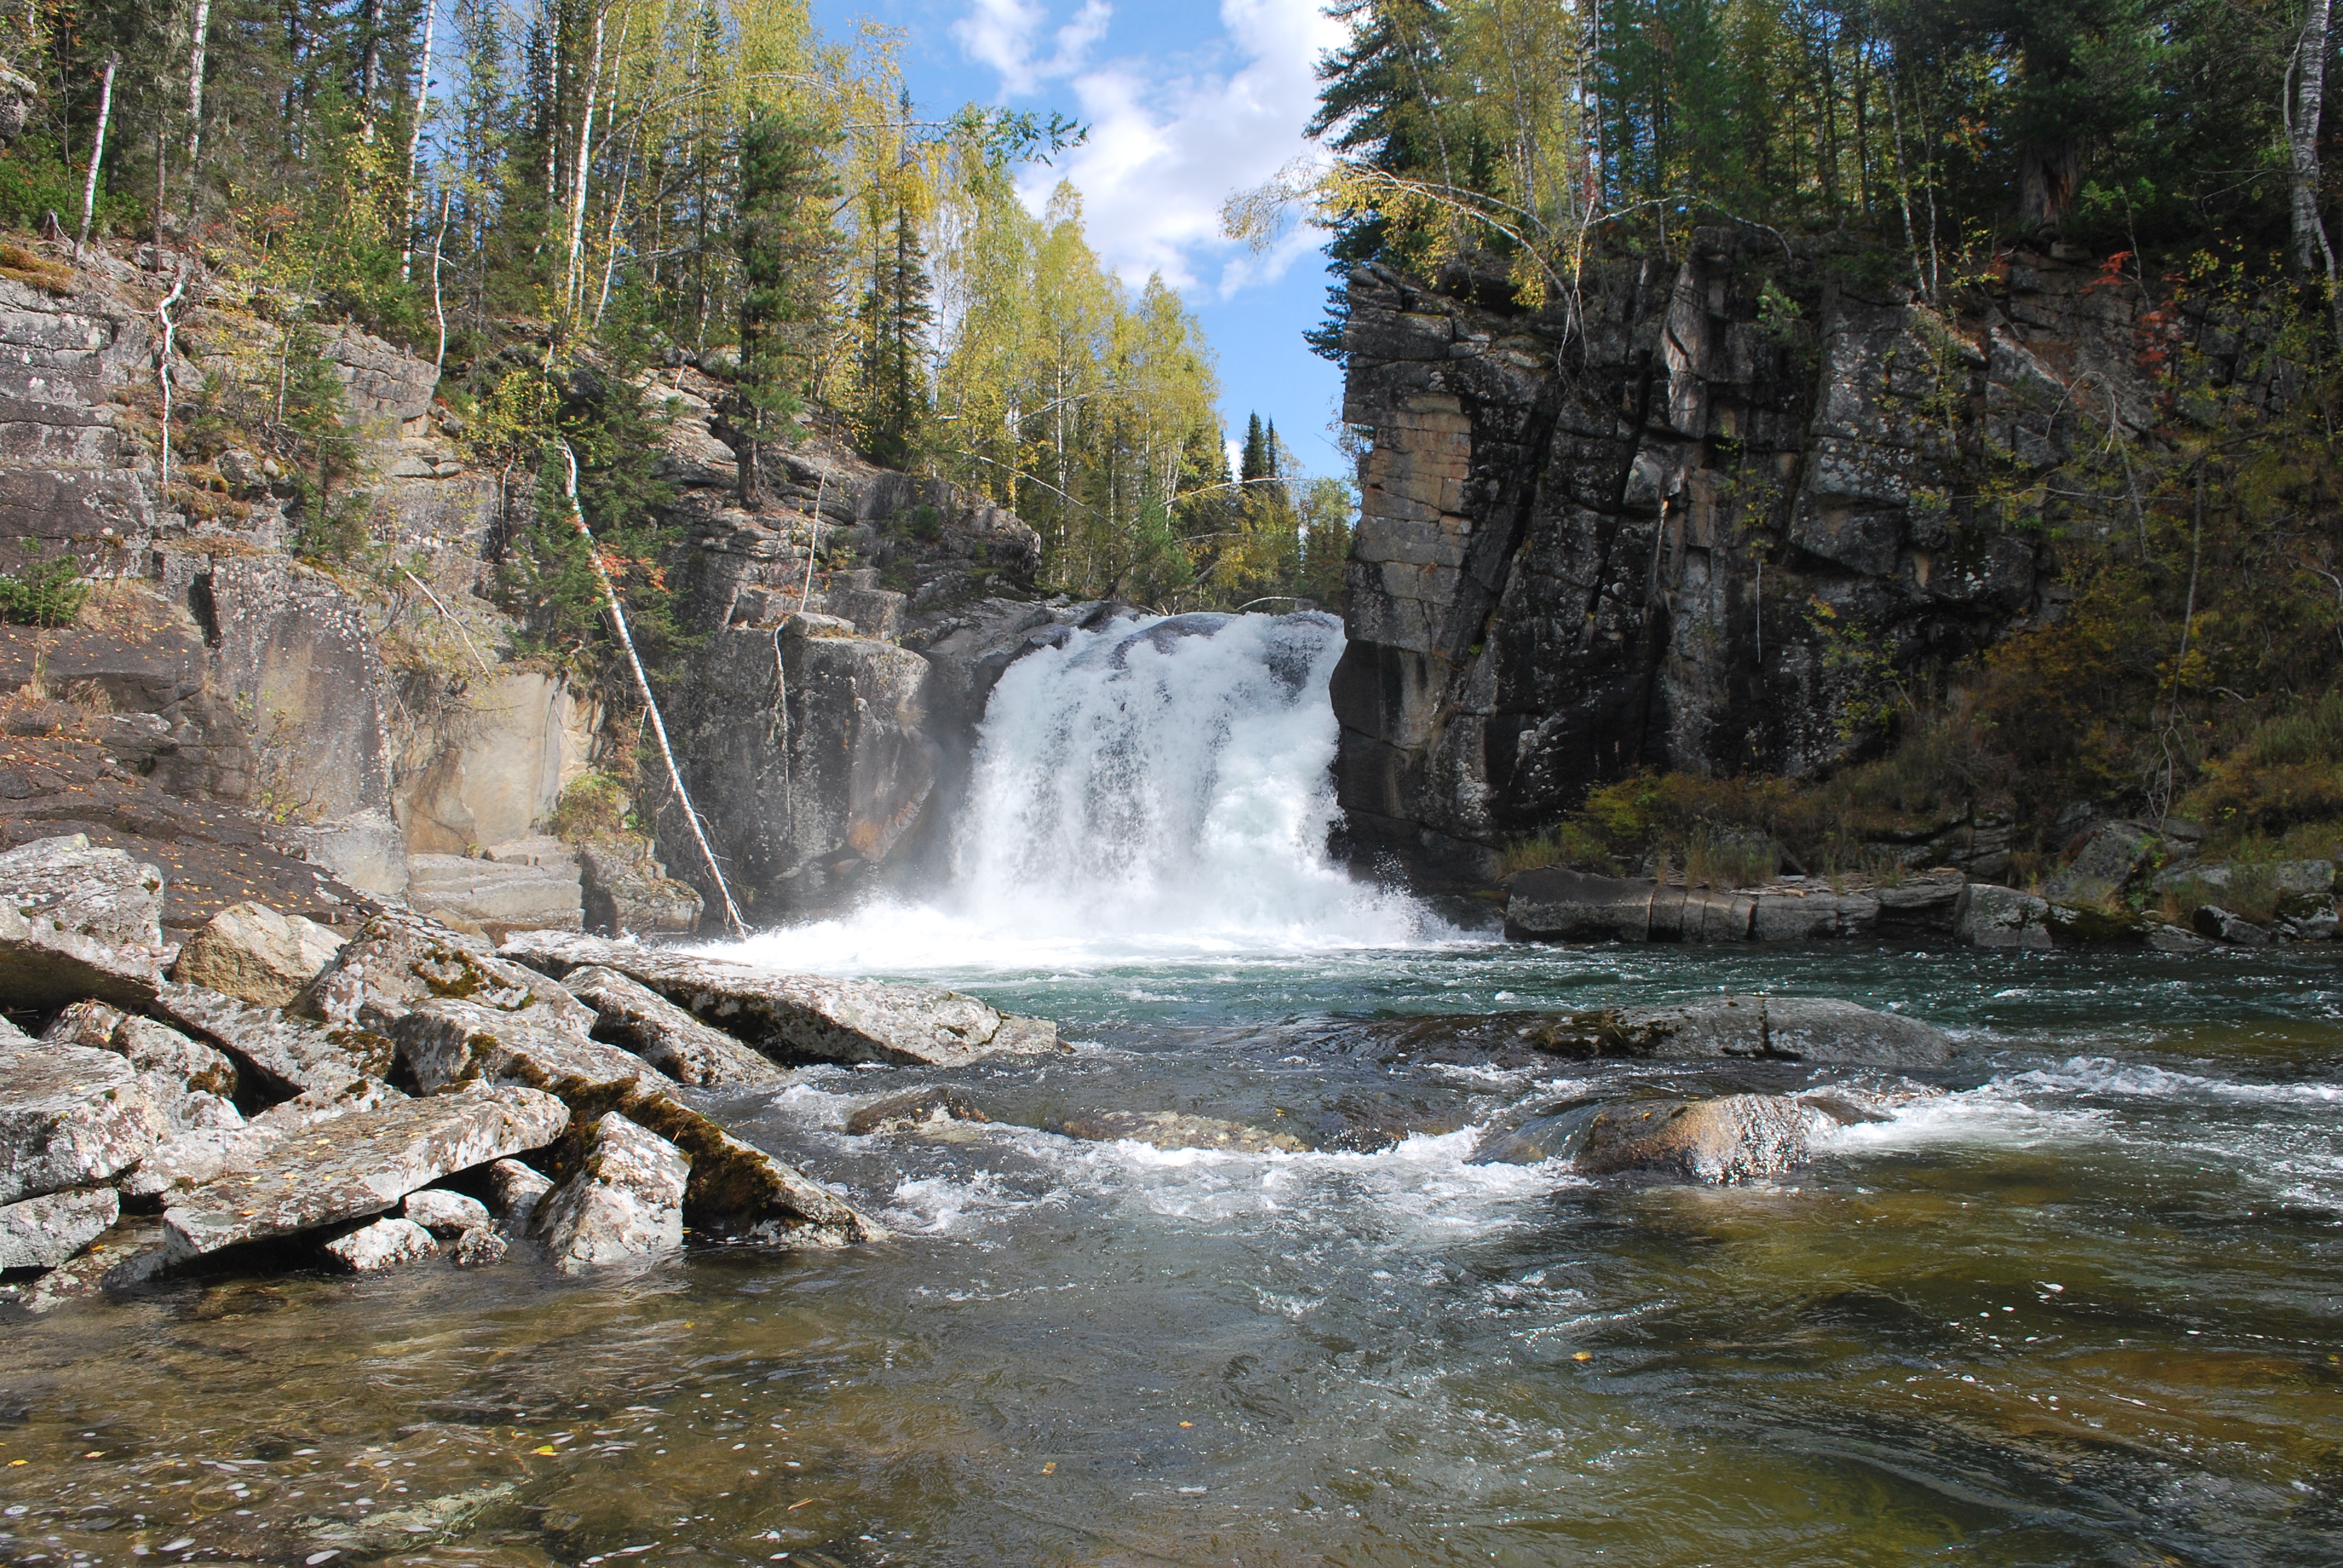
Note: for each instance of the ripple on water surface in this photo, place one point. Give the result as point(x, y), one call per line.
point(2079, 1310)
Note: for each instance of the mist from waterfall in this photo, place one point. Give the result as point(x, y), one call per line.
point(1156, 788)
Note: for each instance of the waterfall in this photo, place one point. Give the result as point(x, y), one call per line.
point(1154, 789)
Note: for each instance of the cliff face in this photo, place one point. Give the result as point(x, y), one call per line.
point(1738, 516)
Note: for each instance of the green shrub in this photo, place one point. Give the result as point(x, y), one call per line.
point(594, 806)
point(46, 590)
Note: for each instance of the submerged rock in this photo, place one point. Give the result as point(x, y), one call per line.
point(804, 1018)
point(365, 1165)
point(385, 1244)
point(256, 955)
point(1171, 1129)
point(43, 1232)
point(624, 1202)
point(1790, 1028)
point(921, 1107)
point(71, 1117)
point(638, 1018)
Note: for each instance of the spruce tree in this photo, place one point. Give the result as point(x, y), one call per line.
point(783, 236)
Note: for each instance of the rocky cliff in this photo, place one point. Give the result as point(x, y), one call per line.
point(1725, 523)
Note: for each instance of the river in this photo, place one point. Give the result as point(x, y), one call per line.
point(2081, 1309)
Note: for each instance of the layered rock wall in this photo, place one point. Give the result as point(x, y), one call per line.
point(1723, 522)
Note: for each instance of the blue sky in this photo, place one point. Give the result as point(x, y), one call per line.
point(1186, 103)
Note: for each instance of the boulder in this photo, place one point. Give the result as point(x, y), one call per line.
point(398, 959)
point(102, 894)
point(623, 1203)
point(2109, 859)
point(518, 1191)
point(1793, 1029)
point(156, 1048)
point(251, 952)
point(630, 895)
point(497, 897)
point(385, 1244)
point(71, 1117)
point(289, 1056)
point(736, 1189)
point(445, 1213)
point(921, 1107)
point(2217, 924)
point(84, 1023)
point(126, 1255)
point(1866, 1098)
point(1727, 1139)
point(44, 965)
point(804, 1018)
point(190, 1158)
point(638, 1018)
point(1174, 1130)
point(1812, 914)
point(371, 1161)
point(1997, 917)
point(42, 1232)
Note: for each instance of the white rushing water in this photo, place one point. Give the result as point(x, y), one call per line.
point(1154, 791)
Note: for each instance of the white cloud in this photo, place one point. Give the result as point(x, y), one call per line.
point(1002, 32)
point(1167, 146)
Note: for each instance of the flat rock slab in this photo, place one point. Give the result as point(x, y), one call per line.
point(804, 1018)
point(398, 960)
point(43, 1232)
point(45, 965)
point(290, 1055)
point(637, 1018)
point(736, 1189)
point(360, 1165)
point(1788, 1029)
point(72, 1116)
point(97, 892)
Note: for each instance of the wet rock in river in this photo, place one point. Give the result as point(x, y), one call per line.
point(737, 1190)
point(128, 1255)
point(804, 1018)
point(385, 1244)
point(255, 954)
point(1731, 1138)
point(360, 1165)
point(624, 1202)
point(43, 1232)
point(479, 1248)
point(1865, 1099)
point(1171, 1129)
point(638, 1018)
point(445, 1213)
point(71, 1117)
point(920, 1107)
point(2217, 924)
point(1793, 1029)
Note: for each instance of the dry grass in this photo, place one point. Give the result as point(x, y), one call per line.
point(22, 266)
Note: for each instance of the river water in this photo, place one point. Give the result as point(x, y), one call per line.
point(2082, 1309)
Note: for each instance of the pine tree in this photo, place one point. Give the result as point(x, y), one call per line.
point(786, 249)
point(897, 311)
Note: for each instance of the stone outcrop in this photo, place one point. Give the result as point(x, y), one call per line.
point(1701, 539)
point(529, 889)
point(372, 1161)
point(494, 765)
point(71, 1117)
point(1578, 906)
point(43, 1232)
point(627, 893)
point(255, 954)
point(1787, 1029)
point(384, 1244)
point(101, 893)
point(396, 960)
point(633, 1016)
point(290, 1055)
point(805, 1018)
point(623, 1203)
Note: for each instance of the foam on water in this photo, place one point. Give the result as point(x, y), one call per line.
point(1156, 790)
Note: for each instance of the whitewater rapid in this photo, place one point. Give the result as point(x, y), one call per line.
point(1156, 790)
